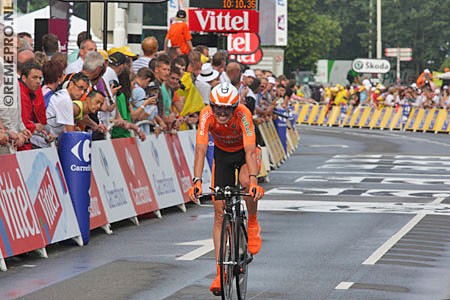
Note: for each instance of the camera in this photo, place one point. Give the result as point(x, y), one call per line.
point(182, 86)
point(114, 83)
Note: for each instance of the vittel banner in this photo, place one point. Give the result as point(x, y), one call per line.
point(48, 190)
point(20, 231)
point(217, 20)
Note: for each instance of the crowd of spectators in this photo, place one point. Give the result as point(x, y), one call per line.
point(420, 94)
point(117, 93)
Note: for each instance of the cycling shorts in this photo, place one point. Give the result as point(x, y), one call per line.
point(224, 166)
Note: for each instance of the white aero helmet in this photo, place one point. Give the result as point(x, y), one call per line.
point(224, 94)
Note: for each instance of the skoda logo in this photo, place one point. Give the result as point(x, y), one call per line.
point(82, 151)
point(358, 65)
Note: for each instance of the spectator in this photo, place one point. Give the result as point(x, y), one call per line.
point(27, 37)
point(193, 102)
point(232, 74)
point(144, 105)
point(32, 100)
point(170, 97)
point(219, 61)
point(173, 53)
point(162, 70)
point(53, 73)
point(24, 57)
point(86, 46)
point(50, 44)
point(60, 113)
point(179, 34)
point(80, 38)
point(206, 80)
point(40, 58)
point(61, 58)
point(149, 48)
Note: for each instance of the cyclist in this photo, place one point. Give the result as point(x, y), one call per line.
point(231, 126)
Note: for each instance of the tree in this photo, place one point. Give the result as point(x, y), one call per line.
point(310, 36)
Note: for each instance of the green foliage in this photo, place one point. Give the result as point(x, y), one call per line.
point(342, 29)
point(310, 37)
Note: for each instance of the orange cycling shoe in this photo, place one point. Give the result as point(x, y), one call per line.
point(215, 286)
point(254, 237)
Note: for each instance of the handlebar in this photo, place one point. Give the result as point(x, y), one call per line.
point(224, 193)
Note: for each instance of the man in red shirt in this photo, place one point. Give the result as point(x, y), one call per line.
point(179, 34)
point(231, 126)
point(32, 100)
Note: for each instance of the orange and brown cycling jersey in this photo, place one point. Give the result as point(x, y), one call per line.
point(231, 137)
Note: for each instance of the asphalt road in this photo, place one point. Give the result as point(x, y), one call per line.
point(352, 214)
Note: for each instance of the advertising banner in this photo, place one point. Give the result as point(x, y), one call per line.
point(96, 210)
point(111, 184)
point(187, 140)
point(133, 170)
point(20, 231)
point(160, 171)
point(223, 20)
point(180, 164)
point(74, 152)
point(48, 191)
point(280, 124)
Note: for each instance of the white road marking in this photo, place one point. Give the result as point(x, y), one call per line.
point(206, 246)
point(421, 168)
point(382, 180)
point(341, 160)
point(344, 285)
point(360, 173)
point(353, 207)
point(325, 146)
point(350, 166)
point(393, 240)
point(437, 201)
point(359, 192)
point(421, 162)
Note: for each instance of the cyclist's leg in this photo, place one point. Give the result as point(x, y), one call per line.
point(254, 230)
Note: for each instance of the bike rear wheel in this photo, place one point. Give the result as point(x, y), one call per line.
point(242, 257)
point(227, 258)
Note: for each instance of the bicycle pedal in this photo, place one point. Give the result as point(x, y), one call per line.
point(249, 258)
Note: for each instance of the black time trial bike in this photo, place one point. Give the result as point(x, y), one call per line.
point(234, 256)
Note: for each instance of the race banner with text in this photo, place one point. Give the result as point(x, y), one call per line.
point(180, 164)
point(111, 183)
point(187, 140)
point(223, 20)
point(49, 194)
point(97, 213)
point(160, 171)
point(133, 169)
point(20, 230)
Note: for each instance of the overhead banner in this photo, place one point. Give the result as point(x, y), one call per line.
point(49, 193)
point(111, 184)
point(187, 140)
point(20, 230)
point(243, 43)
point(223, 20)
point(160, 172)
point(133, 170)
point(180, 164)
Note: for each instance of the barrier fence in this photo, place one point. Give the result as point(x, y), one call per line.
point(400, 118)
point(126, 178)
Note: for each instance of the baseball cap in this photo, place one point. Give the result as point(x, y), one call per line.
point(445, 87)
point(249, 73)
point(152, 86)
point(124, 50)
point(271, 80)
point(181, 14)
point(117, 59)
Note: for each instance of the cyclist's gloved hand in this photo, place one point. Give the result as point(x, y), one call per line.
point(256, 191)
point(195, 190)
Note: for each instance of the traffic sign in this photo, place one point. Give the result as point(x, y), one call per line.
point(402, 52)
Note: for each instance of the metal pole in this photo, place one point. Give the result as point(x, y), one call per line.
point(105, 25)
point(88, 14)
point(370, 29)
point(398, 65)
point(378, 29)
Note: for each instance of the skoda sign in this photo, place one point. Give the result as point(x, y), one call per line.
point(363, 65)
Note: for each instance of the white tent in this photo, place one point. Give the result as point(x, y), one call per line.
point(25, 22)
point(444, 76)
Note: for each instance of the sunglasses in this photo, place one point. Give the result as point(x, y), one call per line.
point(219, 109)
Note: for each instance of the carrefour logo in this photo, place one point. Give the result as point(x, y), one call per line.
point(82, 151)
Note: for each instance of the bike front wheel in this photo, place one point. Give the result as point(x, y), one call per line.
point(243, 258)
point(227, 260)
